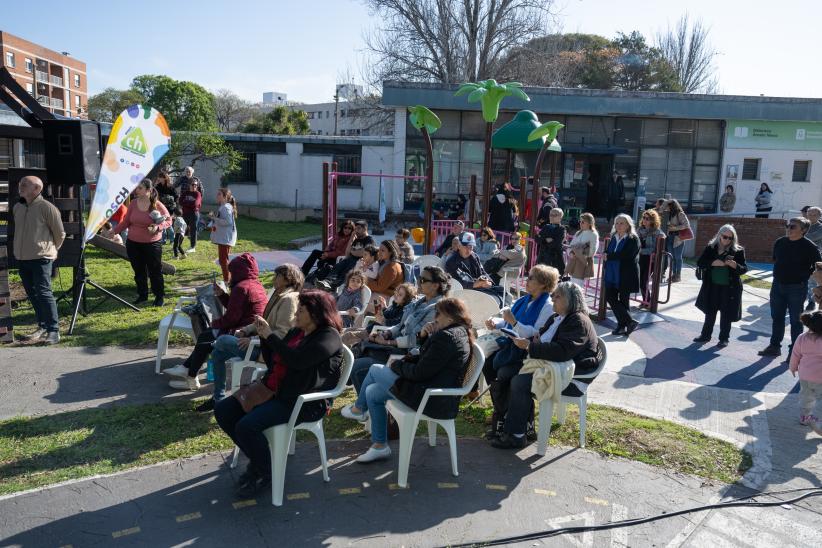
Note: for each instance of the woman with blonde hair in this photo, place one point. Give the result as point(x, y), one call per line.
point(649, 231)
point(621, 276)
point(582, 249)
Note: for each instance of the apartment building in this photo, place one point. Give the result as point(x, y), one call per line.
point(56, 80)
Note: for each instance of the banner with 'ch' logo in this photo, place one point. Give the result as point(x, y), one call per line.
point(139, 138)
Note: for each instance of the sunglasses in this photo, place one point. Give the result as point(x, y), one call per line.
point(791, 226)
point(726, 237)
point(424, 280)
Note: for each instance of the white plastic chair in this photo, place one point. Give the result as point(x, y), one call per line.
point(455, 285)
point(408, 418)
point(546, 407)
point(176, 321)
point(427, 260)
point(516, 274)
point(481, 306)
point(282, 438)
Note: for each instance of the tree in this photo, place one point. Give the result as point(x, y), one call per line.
point(107, 105)
point(186, 106)
point(231, 111)
point(640, 67)
point(193, 147)
point(279, 121)
point(688, 50)
point(450, 40)
point(555, 60)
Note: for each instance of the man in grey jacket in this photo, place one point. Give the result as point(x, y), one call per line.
point(38, 235)
point(814, 234)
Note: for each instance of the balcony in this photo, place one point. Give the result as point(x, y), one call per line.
point(56, 103)
point(56, 80)
point(43, 100)
point(42, 76)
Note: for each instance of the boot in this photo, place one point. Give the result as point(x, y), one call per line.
point(496, 427)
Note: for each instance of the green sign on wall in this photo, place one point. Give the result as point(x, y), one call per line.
point(774, 135)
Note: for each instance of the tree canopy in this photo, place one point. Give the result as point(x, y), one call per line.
point(230, 110)
point(279, 121)
point(186, 106)
point(109, 103)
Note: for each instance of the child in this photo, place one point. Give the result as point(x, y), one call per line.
point(368, 264)
point(806, 358)
point(350, 298)
point(551, 239)
point(406, 249)
point(391, 315)
point(107, 232)
point(179, 226)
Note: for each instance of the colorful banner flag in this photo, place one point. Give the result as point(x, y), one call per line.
point(139, 138)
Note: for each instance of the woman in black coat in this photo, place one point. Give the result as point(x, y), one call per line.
point(722, 263)
point(308, 359)
point(441, 363)
point(622, 272)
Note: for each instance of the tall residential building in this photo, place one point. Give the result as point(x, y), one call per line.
point(56, 80)
point(274, 98)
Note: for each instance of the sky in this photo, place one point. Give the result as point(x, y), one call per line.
point(304, 47)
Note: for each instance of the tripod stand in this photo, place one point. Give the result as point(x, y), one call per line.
point(78, 289)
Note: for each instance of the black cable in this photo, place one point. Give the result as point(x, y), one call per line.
point(742, 501)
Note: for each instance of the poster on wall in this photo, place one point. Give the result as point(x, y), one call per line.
point(731, 173)
point(139, 138)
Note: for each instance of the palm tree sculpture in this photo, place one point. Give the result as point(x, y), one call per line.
point(427, 123)
point(490, 94)
point(548, 133)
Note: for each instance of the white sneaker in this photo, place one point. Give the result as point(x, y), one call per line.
point(179, 370)
point(374, 454)
point(348, 413)
point(192, 250)
point(189, 383)
point(52, 337)
point(36, 336)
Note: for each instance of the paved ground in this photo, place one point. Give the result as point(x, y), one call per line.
point(729, 393)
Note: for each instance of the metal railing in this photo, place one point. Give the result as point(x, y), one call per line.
point(56, 80)
point(41, 76)
point(43, 100)
point(57, 103)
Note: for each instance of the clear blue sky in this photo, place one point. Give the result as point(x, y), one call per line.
point(252, 46)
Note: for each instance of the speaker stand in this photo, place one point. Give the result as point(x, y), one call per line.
point(78, 289)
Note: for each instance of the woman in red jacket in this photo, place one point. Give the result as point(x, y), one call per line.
point(246, 300)
point(190, 201)
point(145, 220)
point(337, 248)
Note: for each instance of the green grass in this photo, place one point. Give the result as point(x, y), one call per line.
point(755, 282)
point(110, 323)
point(38, 451)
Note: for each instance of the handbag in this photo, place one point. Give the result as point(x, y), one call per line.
point(252, 395)
point(686, 234)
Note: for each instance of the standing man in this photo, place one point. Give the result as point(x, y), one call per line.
point(794, 257)
point(549, 202)
point(38, 234)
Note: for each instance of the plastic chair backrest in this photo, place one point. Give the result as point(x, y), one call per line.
point(455, 284)
point(366, 297)
point(480, 306)
point(602, 357)
point(474, 367)
point(427, 260)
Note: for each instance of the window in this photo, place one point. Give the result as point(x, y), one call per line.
point(34, 153)
point(77, 80)
point(10, 59)
point(801, 171)
point(30, 88)
point(77, 101)
point(247, 172)
point(29, 65)
point(351, 164)
point(750, 169)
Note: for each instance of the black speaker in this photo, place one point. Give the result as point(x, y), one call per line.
point(72, 151)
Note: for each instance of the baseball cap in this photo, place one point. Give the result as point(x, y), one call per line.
point(467, 238)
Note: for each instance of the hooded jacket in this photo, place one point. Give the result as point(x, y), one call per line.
point(248, 297)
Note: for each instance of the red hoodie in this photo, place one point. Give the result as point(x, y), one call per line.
point(248, 297)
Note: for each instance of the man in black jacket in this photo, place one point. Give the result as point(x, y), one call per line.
point(549, 202)
point(466, 267)
point(794, 258)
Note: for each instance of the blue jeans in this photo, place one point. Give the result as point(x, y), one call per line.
point(790, 298)
point(677, 254)
point(246, 429)
point(225, 348)
point(36, 277)
point(373, 395)
point(359, 372)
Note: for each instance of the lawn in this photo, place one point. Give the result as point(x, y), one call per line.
point(38, 451)
point(110, 323)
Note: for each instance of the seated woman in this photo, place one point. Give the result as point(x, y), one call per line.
point(441, 363)
point(337, 248)
point(389, 273)
point(433, 283)
point(385, 315)
point(567, 335)
point(488, 246)
point(246, 300)
point(279, 313)
point(526, 316)
point(307, 359)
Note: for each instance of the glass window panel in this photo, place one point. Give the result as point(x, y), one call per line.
point(655, 132)
point(678, 181)
point(577, 129)
point(654, 184)
point(628, 132)
point(709, 134)
point(450, 125)
point(680, 159)
point(473, 126)
point(682, 133)
point(707, 157)
point(627, 167)
point(654, 158)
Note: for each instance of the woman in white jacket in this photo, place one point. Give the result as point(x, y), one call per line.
point(581, 251)
point(224, 228)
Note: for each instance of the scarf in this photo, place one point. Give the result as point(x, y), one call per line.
point(526, 310)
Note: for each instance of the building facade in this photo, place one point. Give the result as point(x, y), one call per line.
point(56, 80)
point(675, 145)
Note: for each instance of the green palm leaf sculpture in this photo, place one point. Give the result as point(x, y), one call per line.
point(422, 118)
point(490, 94)
point(548, 130)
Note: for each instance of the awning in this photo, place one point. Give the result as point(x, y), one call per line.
point(593, 149)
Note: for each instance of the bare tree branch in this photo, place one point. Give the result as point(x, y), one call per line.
point(688, 49)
